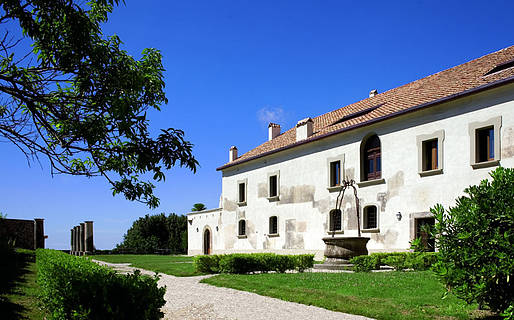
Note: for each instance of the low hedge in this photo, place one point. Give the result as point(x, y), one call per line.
point(242, 263)
point(397, 260)
point(77, 288)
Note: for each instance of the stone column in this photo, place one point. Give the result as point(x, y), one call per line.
point(77, 234)
point(71, 242)
point(39, 233)
point(88, 230)
point(81, 239)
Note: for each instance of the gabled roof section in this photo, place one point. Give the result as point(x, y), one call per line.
point(464, 79)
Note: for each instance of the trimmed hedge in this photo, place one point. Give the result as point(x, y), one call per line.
point(77, 288)
point(242, 263)
point(397, 260)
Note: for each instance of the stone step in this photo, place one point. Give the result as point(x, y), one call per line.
point(334, 266)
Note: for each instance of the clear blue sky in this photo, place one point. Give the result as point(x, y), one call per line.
point(232, 66)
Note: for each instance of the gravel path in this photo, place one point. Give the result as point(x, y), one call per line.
point(186, 298)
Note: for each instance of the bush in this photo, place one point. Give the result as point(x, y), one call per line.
point(364, 263)
point(242, 263)
point(476, 243)
point(397, 260)
point(77, 288)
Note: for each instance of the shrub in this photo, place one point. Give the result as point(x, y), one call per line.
point(397, 260)
point(422, 261)
point(364, 263)
point(77, 288)
point(242, 263)
point(476, 243)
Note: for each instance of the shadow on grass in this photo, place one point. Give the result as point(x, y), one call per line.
point(13, 268)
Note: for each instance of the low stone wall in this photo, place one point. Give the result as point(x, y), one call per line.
point(25, 234)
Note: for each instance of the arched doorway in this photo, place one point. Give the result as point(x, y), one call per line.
point(207, 241)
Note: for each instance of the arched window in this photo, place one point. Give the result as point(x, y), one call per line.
point(335, 220)
point(242, 228)
point(273, 225)
point(370, 219)
point(371, 159)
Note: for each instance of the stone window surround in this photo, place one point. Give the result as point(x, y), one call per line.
point(496, 123)
point(241, 236)
point(271, 235)
point(245, 181)
point(439, 135)
point(270, 174)
point(372, 230)
point(412, 219)
point(339, 158)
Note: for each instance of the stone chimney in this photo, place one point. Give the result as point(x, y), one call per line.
point(232, 154)
point(373, 93)
point(273, 130)
point(304, 129)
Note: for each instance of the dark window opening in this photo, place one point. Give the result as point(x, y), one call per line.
point(485, 144)
point(424, 230)
point(372, 160)
point(430, 159)
point(335, 173)
point(357, 114)
point(273, 186)
point(501, 67)
point(242, 196)
point(273, 225)
point(335, 220)
point(370, 217)
point(242, 227)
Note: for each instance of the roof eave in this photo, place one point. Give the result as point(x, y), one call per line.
point(379, 119)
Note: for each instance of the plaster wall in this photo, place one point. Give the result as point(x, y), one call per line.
point(305, 199)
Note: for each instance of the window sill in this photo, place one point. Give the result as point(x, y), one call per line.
point(430, 172)
point(242, 236)
point(241, 204)
point(363, 184)
point(273, 235)
point(273, 199)
point(374, 230)
point(485, 164)
point(335, 232)
point(334, 188)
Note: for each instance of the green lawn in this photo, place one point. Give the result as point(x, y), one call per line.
point(385, 295)
point(19, 290)
point(180, 266)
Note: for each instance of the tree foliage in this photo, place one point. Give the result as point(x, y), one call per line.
point(149, 233)
point(79, 100)
point(198, 207)
point(476, 242)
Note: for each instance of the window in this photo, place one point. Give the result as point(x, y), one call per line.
point(335, 220)
point(242, 228)
point(273, 225)
point(370, 218)
point(485, 143)
point(371, 159)
point(274, 186)
point(430, 161)
point(242, 192)
point(335, 173)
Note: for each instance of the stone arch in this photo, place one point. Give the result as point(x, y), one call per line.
point(207, 240)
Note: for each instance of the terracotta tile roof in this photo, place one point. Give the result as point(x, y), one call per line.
point(445, 85)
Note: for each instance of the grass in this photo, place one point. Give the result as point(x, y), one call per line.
point(384, 295)
point(180, 266)
point(19, 290)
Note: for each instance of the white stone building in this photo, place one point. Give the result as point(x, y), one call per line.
point(408, 149)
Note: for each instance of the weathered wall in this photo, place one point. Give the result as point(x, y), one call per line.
point(24, 233)
point(305, 200)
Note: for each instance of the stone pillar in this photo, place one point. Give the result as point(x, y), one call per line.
point(39, 233)
point(71, 240)
point(77, 233)
point(89, 245)
point(81, 239)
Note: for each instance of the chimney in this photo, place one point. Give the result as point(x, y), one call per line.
point(232, 154)
point(273, 130)
point(304, 129)
point(373, 93)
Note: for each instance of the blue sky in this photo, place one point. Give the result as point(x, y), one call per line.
point(233, 66)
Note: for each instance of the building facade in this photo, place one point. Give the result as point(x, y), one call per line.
point(407, 149)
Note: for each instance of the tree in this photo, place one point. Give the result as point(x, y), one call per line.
point(80, 101)
point(153, 232)
point(476, 243)
point(198, 207)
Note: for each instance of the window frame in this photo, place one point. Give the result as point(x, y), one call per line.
point(270, 234)
point(421, 140)
point(268, 180)
point(474, 128)
point(238, 191)
point(241, 222)
point(363, 160)
point(364, 218)
point(340, 158)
